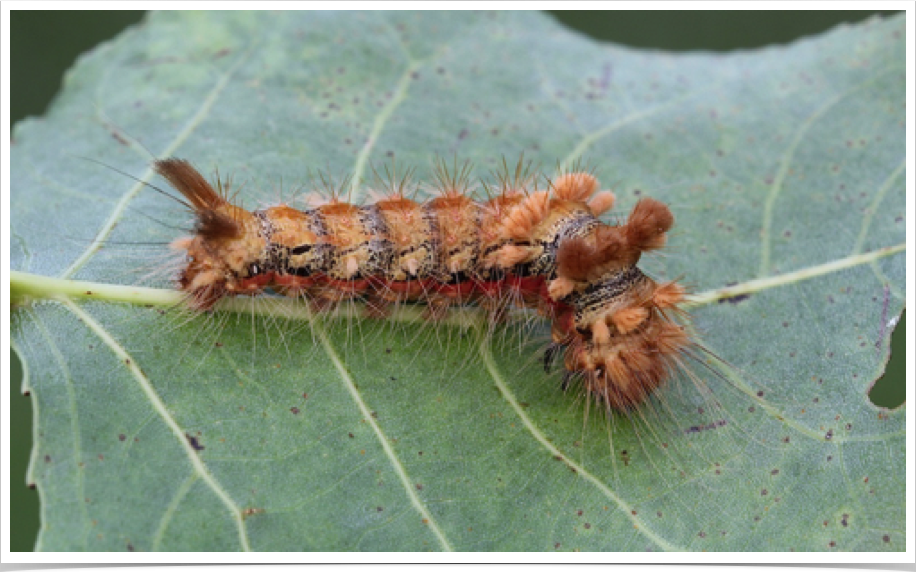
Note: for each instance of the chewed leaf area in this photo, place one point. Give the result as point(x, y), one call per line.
point(265, 423)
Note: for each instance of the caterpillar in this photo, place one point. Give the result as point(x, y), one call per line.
point(621, 332)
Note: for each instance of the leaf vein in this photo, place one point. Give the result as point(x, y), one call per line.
point(624, 507)
point(873, 207)
point(321, 493)
point(593, 137)
point(805, 273)
point(164, 413)
point(170, 510)
point(180, 138)
point(74, 424)
point(383, 440)
point(786, 161)
point(378, 125)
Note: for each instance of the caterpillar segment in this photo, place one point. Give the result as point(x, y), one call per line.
point(621, 331)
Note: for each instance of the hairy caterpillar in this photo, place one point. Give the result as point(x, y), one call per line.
point(543, 249)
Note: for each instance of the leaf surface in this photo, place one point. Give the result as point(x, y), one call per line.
point(266, 431)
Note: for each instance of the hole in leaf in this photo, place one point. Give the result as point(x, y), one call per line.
point(890, 389)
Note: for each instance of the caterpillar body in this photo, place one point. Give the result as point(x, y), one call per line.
point(621, 331)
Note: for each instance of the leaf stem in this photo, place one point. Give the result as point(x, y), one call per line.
point(26, 288)
point(751, 286)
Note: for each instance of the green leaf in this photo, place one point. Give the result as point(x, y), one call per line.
point(270, 430)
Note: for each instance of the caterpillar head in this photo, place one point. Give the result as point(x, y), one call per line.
point(225, 242)
point(622, 342)
point(623, 369)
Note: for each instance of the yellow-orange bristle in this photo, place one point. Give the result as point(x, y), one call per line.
point(393, 185)
point(510, 255)
point(560, 287)
point(628, 319)
point(601, 203)
point(575, 186)
point(454, 181)
point(668, 295)
point(526, 215)
point(601, 334)
point(331, 191)
point(520, 179)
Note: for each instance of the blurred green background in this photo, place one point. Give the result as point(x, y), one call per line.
point(44, 44)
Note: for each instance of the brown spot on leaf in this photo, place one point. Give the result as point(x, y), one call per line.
point(736, 299)
point(194, 442)
point(120, 139)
